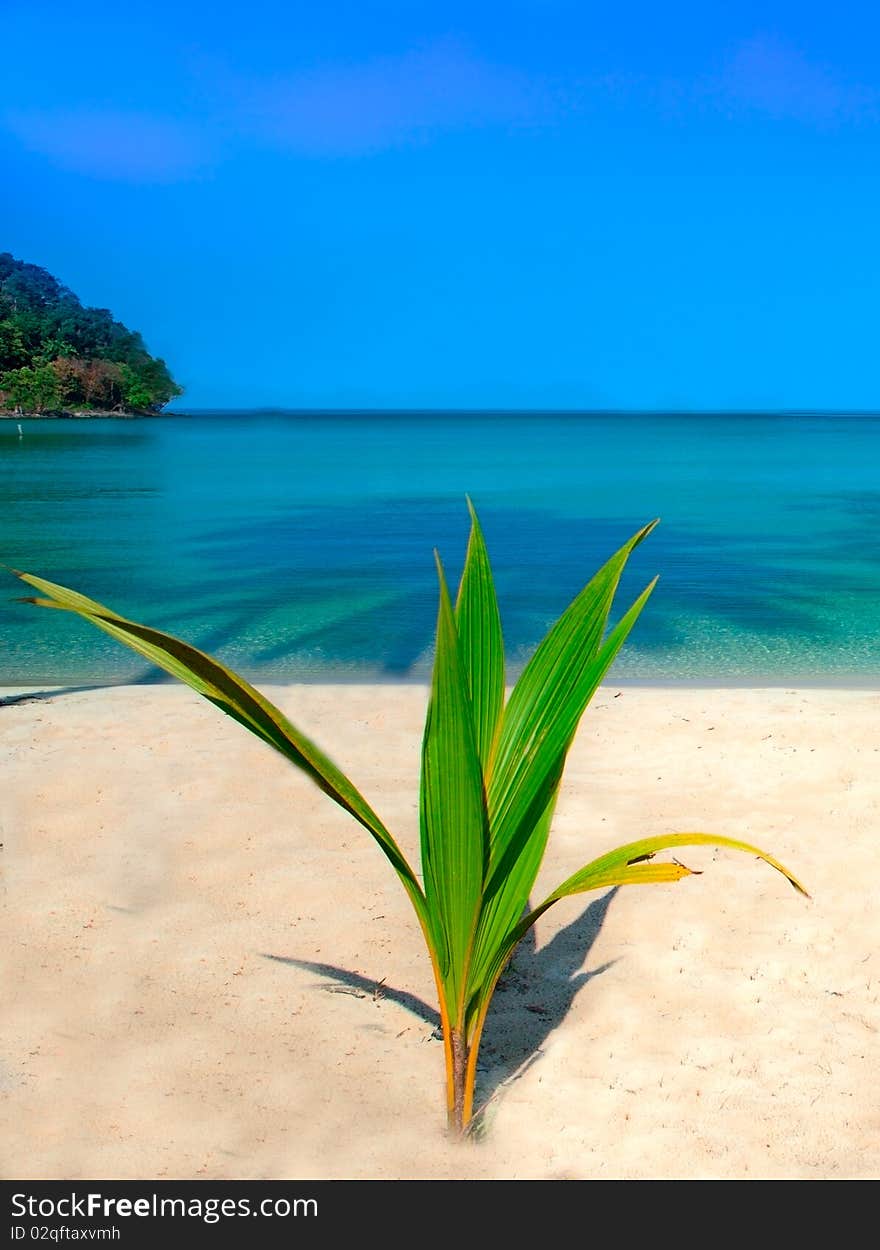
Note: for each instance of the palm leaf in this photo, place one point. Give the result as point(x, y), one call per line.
point(454, 828)
point(626, 865)
point(234, 696)
point(480, 641)
point(615, 868)
point(549, 698)
point(513, 873)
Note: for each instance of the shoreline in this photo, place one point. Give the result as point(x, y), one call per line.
point(827, 683)
point(84, 415)
point(213, 973)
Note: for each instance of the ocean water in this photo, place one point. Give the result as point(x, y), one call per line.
point(299, 546)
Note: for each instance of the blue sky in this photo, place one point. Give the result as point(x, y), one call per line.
point(528, 204)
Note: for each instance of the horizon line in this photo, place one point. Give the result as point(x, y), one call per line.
point(530, 411)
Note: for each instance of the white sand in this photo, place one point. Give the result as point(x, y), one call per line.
point(163, 872)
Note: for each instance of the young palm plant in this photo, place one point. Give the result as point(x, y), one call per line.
point(490, 778)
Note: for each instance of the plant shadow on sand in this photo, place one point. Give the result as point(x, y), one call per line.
point(532, 999)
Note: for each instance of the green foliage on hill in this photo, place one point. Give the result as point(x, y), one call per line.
point(56, 354)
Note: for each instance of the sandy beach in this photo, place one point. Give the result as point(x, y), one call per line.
point(211, 971)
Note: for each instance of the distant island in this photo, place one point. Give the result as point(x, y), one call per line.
point(58, 358)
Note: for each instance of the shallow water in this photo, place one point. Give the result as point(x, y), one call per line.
point(299, 546)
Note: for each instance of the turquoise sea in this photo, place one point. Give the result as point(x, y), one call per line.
point(299, 546)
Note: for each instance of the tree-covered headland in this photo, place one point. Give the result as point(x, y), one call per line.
point(57, 356)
